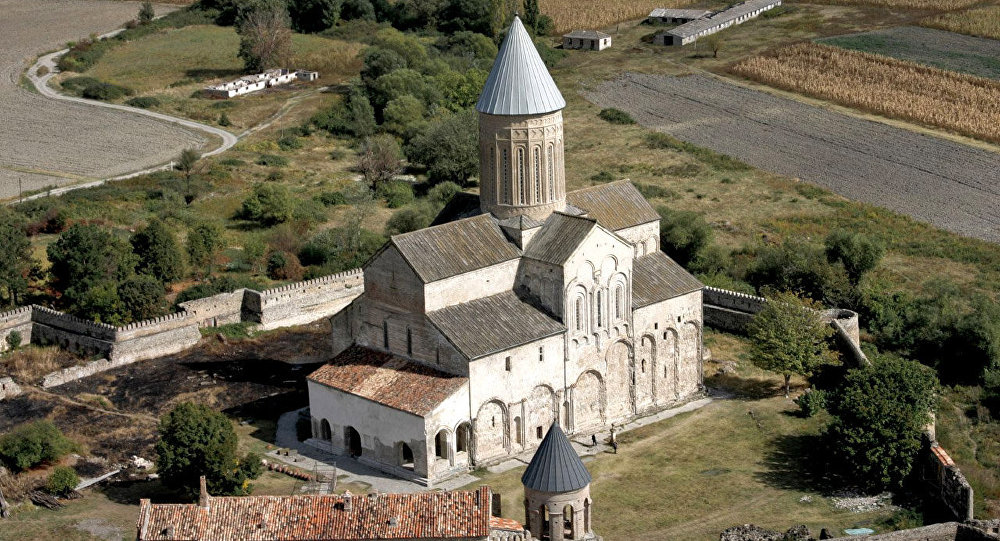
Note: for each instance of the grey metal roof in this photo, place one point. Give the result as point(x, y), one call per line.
point(721, 18)
point(586, 34)
point(656, 277)
point(559, 238)
point(555, 467)
point(679, 13)
point(493, 324)
point(617, 205)
point(455, 248)
point(519, 83)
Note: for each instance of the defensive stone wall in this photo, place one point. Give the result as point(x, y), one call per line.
point(944, 481)
point(293, 304)
point(732, 311)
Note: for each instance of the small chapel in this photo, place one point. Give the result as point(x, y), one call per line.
point(530, 307)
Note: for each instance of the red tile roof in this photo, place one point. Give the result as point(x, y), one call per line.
point(942, 456)
point(434, 515)
point(500, 523)
point(387, 379)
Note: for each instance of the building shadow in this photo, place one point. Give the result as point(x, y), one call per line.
point(798, 462)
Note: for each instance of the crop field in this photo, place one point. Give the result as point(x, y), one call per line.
point(945, 183)
point(915, 4)
point(569, 15)
point(958, 102)
point(46, 142)
point(936, 48)
point(982, 21)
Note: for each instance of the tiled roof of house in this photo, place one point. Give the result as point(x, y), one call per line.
point(500, 523)
point(519, 83)
point(656, 277)
point(387, 379)
point(559, 238)
point(492, 324)
point(555, 467)
point(616, 205)
point(423, 515)
point(454, 248)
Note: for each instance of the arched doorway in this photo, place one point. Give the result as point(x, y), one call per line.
point(568, 525)
point(352, 441)
point(441, 444)
point(324, 430)
point(405, 456)
point(462, 435)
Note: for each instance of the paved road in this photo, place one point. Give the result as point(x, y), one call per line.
point(935, 180)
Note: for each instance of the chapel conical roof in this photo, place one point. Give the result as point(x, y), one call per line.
point(555, 467)
point(519, 83)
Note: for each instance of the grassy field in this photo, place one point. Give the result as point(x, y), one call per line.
point(894, 88)
point(936, 48)
point(981, 21)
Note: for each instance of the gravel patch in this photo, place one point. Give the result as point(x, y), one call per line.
point(64, 139)
point(937, 48)
point(948, 184)
point(861, 504)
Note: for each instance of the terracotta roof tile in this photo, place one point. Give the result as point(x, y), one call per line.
point(387, 379)
point(500, 523)
point(425, 515)
point(617, 205)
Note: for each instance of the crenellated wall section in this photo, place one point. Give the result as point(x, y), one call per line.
point(292, 304)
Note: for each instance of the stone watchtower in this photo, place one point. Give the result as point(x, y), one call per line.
point(557, 501)
point(521, 133)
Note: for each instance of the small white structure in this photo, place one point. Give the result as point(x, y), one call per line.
point(259, 81)
point(308, 76)
point(591, 40)
point(675, 16)
point(738, 14)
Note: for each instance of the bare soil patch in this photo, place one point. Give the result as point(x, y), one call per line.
point(938, 181)
point(68, 139)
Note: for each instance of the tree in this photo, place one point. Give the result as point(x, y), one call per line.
point(856, 252)
point(377, 62)
point(13, 340)
point(32, 444)
point(15, 259)
point(448, 147)
point(380, 160)
point(265, 36)
point(158, 252)
point(802, 267)
point(196, 440)
point(146, 13)
point(879, 413)
point(284, 266)
point(269, 204)
point(714, 42)
point(203, 244)
point(683, 234)
point(309, 16)
point(403, 115)
point(187, 164)
point(85, 255)
point(141, 297)
point(531, 14)
point(62, 481)
point(789, 337)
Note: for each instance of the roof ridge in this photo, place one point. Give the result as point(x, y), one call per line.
point(438, 226)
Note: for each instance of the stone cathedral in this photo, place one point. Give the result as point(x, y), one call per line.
point(529, 307)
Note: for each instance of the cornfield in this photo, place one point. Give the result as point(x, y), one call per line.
point(591, 14)
point(918, 4)
point(962, 103)
point(983, 22)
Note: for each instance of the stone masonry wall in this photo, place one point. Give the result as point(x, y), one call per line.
point(944, 481)
point(293, 304)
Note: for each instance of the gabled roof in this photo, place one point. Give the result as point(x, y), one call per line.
point(455, 248)
point(421, 515)
point(559, 238)
point(493, 324)
point(616, 205)
point(555, 467)
point(656, 277)
point(586, 34)
point(389, 380)
point(519, 83)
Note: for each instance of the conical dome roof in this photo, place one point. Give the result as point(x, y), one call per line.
point(519, 83)
point(555, 467)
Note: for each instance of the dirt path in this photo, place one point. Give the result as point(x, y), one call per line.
point(948, 184)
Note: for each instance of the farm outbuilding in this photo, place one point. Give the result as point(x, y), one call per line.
point(305, 75)
point(252, 83)
point(586, 39)
point(691, 31)
point(675, 16)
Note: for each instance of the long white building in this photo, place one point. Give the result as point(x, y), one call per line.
point(691, 31)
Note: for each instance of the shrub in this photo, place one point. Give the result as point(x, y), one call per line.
point(77, 84)
point(224, 120)
point(269, 204)
point(409, 219)
point(32, 444)
point(331, 199)
point(289, 142)
point(721, 162)
point(602, 176)
point(811, 402)
point(801, 267)
point(857, 253)
point(616, 116)
point(271, 160)
point(653, 191)
point(448, 147)
point(284, 266)
point(106, 92)
point(13, 340)
point(143, 102)
point(442, 193)
point(232, 162)
point(683, 233)
point(396, 194)
point(62, 481)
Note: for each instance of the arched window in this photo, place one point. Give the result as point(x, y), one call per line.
point(506, 178)
point(538, 175)
point(522, 177)
point(552, 174)
point(618, 302)
point(441, 444)
point(579, 314)
point(493, 166)
point(598, 308)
